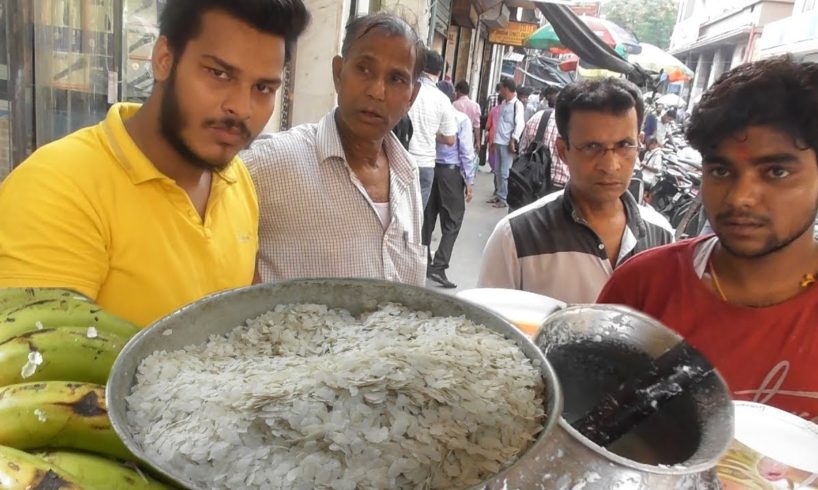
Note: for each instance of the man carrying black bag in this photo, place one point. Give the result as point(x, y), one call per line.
point(530, 176)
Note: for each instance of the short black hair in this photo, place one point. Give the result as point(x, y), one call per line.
point(509, 84)
point(550, 90)
point(181, 20)
point(778, 92)
point(434, 63)
point(462, 87)
point(392, 25)
point(447, 88)
point(609, 95)
point(524, 91)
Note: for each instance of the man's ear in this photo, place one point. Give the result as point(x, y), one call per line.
point(562, 147)
point(337, 66)
point(162, 60)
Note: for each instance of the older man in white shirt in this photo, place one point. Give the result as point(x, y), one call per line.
point(341, 198)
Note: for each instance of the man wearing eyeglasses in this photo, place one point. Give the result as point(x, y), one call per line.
point(567, 244)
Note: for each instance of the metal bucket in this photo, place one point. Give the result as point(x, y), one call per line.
point(676, 448)
point(222, 312)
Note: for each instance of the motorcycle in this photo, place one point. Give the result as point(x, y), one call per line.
point(675, 192)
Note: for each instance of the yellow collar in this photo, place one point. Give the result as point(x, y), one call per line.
point(138, 167)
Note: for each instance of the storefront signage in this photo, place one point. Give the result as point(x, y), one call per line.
point(513, 34)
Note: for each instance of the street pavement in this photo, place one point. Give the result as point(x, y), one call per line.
point(477, 226)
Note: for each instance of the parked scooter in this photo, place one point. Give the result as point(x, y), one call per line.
point(675, 192)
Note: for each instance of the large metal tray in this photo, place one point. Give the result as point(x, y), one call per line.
point(224, 311)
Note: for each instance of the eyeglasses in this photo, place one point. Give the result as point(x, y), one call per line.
point(595, 151)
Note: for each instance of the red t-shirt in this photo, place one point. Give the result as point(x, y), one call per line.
point(767, 355)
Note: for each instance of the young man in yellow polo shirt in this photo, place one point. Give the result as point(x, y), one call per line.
point(151, 209)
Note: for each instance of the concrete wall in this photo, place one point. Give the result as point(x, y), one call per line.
point(773, 11)
point(716, 17)
point(419, 9)
point(464, 55)
point(738, 56)
point(314, 92)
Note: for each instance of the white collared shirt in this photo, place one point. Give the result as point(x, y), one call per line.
point(432, 113)
point(316, 219)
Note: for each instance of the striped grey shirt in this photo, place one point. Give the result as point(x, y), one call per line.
point(316, 219)
point(546, 248)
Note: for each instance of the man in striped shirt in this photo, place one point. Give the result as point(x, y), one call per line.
point(567, 244)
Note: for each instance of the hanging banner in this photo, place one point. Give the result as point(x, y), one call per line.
point(513, 34)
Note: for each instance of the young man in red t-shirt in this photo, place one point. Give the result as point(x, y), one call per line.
point(747, 297)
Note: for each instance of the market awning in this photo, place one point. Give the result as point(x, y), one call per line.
point(579, 38)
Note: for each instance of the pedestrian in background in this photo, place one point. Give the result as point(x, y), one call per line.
point(532, 105)
point(432, 118)
point(510, 125)
point(559, 170)
point(471, 109)
point(451, 190)
point(495, 102)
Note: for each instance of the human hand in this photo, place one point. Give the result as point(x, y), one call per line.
point(469, 192)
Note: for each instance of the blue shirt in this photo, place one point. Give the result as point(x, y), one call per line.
point(511, 122)
point(462, 151)
point(650, 126)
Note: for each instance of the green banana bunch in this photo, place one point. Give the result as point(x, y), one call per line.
point(23, 471)
point(58, 414)
point(98, 472)
point(63, 311)
point(59, 354)
point(12, 297)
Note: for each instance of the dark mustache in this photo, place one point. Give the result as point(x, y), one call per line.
point(734, 215)
point(229, 124)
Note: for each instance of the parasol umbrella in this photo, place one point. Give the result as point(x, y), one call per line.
point(670, 100)
point(655, 59)
point(569, 63)
point(613, 35)
point(587, 70)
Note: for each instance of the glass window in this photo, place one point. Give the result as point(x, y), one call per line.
point(5, 120)
point(72, 80)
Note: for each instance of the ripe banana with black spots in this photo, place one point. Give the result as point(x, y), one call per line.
point(17, 297)
point(99, 472)
point(82, 355)
point(58, 414)
point(22, 471)
point(61, 312)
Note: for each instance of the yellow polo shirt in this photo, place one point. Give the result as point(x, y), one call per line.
point(91, 213)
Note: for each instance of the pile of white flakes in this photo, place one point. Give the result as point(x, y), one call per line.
point(308, 397)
